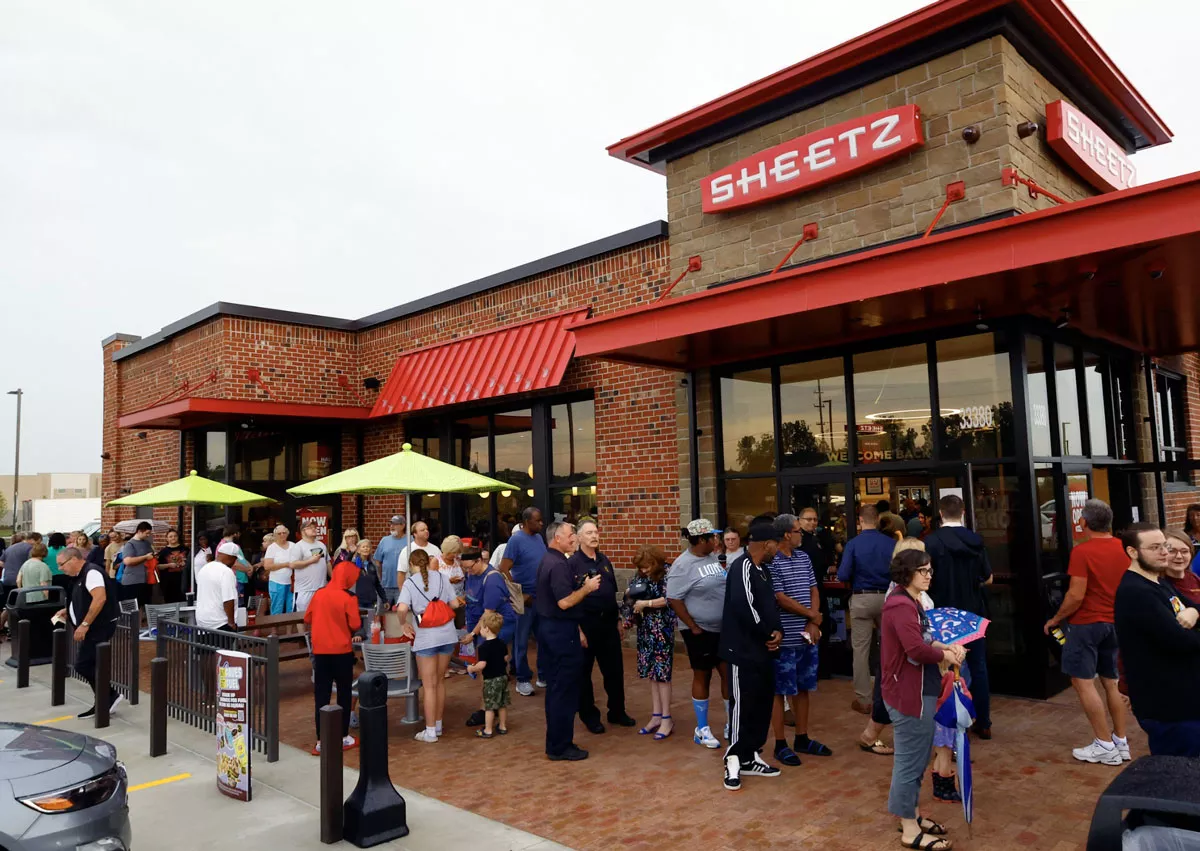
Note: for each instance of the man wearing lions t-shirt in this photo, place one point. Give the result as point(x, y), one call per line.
point(310, 565)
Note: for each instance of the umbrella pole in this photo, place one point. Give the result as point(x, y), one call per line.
point(408, 523)
point(192, 555)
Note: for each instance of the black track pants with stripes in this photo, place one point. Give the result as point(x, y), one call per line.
point(751, 697)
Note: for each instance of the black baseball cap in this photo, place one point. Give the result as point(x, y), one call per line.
point(763, 530)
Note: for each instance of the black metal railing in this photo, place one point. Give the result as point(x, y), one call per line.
point(190, 652)
point(126, 656)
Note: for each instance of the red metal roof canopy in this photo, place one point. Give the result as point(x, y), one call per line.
point(1053, 19)
point(197, 412)
point(517, 359)
point(1122, 266)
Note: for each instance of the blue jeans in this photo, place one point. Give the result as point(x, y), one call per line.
point(1177, 738)
point(526, 626)
point(981, 693)
point(281, 598)
point(913, 741)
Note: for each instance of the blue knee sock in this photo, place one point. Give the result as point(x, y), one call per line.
point(701, 708)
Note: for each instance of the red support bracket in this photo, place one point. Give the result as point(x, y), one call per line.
point(254, 376)
point(809, 233)
point(693, 265)
point(1011, 177)
point(954, 192)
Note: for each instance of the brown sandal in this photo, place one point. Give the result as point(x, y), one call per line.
point(876, 747)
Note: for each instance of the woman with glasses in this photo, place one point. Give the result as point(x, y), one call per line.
point(1180, 558)
point(911, 685)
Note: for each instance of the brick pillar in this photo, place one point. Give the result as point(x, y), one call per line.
point(110, 470)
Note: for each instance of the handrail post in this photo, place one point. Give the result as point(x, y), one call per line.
point(103, 683)
point(135, 658)
point(23, 631)
point(158, 706)
point(58, 667)
point(272, 697)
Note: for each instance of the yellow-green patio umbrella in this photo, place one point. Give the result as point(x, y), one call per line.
point(191, 490)
point(406, 472)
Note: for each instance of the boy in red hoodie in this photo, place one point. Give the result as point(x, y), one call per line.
point(332, 617)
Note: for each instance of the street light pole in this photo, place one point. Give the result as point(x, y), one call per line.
point(17, 459)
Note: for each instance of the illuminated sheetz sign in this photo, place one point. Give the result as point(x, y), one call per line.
point(1088, 149)
point(814, 159)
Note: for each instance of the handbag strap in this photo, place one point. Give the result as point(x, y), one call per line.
point(417, 586)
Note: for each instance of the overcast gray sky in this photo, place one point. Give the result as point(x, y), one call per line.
point(343, 157)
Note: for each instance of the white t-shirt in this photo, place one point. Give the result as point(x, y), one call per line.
point(313, 577)
point(94, 580)
point(453, 570)
point(200, 560)
point(414, 595)
point(276, 553)
point(431, 548)
point(497, 556)
point(215, 586)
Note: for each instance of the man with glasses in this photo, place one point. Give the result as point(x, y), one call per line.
point(1159, 646)
point(1096, 568)
point(92, 612)
point(798, 599)
point(818, 545)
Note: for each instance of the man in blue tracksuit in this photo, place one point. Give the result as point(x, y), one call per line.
point(751, 634)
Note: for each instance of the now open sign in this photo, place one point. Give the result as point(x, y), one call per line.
point(814, 159)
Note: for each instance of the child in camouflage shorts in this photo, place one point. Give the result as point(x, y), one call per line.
point(493, 662)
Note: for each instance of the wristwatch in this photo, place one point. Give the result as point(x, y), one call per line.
point(85, 624)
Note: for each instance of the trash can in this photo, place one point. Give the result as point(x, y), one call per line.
point(1153, 805)
point(40, 614)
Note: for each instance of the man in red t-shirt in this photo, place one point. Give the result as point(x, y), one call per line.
point(1096, 568)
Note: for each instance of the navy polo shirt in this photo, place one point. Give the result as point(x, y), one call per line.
point(555, 580)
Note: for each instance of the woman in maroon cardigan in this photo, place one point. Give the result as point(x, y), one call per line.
point(909, 659)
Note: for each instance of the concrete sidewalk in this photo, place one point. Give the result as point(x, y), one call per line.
point(181, 808)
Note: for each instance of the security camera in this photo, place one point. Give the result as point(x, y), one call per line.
point(1157, 270)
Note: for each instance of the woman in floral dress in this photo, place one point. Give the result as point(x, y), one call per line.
point(655, 622)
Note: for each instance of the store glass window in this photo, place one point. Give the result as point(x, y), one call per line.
point(1171, 421)
point(260, 456)
point(1048, 522)
point(1099, 403)
point(812, 405)
point(975, 395)
point(1066, 384)
point(745, 499)
point(513, 462)
point(1122, 379)
point(747, 422)
point(571, 504)
point(1039, 397)
point(316, 459)
point(998, 501)
point(892, 406)
point(573, 443)
point(471, 444)
point(214, 455)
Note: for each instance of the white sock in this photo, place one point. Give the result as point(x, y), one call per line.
point(1108, 746)
point(438, 728)
point(431, 732)
point(1117, 740)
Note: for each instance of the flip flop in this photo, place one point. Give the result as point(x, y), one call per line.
point(503, 731)
point(876, 747)
point(483, 734)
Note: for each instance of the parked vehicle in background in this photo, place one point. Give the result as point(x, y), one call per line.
point(61, 790)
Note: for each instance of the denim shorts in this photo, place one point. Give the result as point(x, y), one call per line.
point(442, 650)
point(796, 669)
point(1091, 649)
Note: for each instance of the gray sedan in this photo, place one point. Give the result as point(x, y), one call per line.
point(60, 790)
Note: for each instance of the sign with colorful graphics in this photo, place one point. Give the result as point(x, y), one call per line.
point(814, 159)
point(1087, 149)
point(233, 724)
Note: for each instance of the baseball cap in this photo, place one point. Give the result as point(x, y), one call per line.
point(398, 519)
point(700, 527)
point(309, 522)
point(228, 548)
point(763, 530)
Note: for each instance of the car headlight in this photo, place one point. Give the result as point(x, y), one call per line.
point(75, 798)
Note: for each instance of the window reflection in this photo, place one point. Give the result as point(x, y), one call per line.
point(891, 405)
point(1039, 398)
point(1048, 509)
point(745, 499)
point(747, 422)
point(975, 394)
point(1067, 393)
point(514, 449)
point(1098, 402)
point(316, 460)
point(260, 456)
point(997, 500)
point(573, 442)
point(214, 455)
point(812, 403)
point(570, 504)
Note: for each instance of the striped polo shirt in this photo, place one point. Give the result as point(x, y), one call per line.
point(793, 575)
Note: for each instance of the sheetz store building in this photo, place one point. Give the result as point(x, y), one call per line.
point(919, 263)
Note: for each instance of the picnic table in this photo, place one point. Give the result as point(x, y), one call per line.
point(289, 629)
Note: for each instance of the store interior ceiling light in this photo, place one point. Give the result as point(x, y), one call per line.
point(900, 416)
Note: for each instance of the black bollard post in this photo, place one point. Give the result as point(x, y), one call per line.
point(331, 774)
point(23, 628)
point(103, 683)
point(158, 706)
point(58, 667)
point(375, 811)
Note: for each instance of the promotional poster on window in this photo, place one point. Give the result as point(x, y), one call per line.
point(233, 724)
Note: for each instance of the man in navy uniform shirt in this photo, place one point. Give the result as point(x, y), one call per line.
point(560, 639)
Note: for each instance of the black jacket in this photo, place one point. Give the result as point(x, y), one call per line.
point(750, 615)
point(960, 568)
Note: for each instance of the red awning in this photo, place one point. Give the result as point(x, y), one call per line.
point(199, 412)
point(517, 359)
point(1120, 266)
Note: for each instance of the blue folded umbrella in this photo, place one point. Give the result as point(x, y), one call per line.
point(957, 712)
point(954, 626)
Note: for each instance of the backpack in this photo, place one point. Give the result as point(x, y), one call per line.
point(437, 611)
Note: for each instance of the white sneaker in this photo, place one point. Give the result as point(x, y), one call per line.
point(348, 742)
point(422, 737)
point(540, 683)
point(1096, 752)
point(1123, 750)
point(704, 736)
point(525, 689)
point(733, 769)
point(116, 701)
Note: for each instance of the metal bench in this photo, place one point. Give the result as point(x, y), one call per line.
point(395, 661)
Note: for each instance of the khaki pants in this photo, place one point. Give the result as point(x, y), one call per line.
point(865, 613)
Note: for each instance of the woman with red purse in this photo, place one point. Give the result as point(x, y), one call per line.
point(431, 597)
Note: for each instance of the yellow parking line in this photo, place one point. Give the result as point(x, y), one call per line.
point(53, 720)
point(162, 782)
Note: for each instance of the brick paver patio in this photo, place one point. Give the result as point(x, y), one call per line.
point(635, 793)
